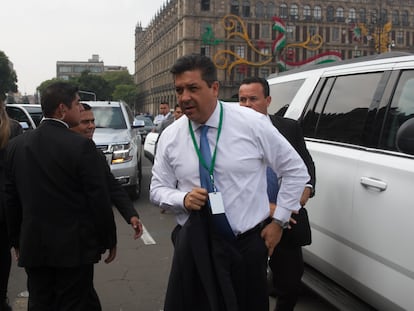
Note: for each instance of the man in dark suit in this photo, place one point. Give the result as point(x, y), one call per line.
point(58, 211)
point(119, 197)
point(286, 262)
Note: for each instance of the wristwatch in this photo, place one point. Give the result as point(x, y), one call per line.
point(282, 224)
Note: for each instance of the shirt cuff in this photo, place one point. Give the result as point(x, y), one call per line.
point(282, 214)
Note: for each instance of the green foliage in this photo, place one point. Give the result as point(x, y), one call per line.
point(46, 83)
point(115, 78)
point(114, 85)
point(127, 93)
point(8, 77)
point(95, 84)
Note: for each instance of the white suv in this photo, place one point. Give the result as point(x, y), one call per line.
point(119, 140)
point(352, 114)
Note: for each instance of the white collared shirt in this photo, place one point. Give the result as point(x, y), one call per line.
point(248, 144)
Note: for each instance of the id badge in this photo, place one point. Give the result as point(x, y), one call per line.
point(216, 202)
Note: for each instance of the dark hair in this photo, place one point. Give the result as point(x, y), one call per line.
point(262, 81)
point(176, 106)
point(55, 94)
point(196, 62)
point(165, 103)
point(86, 106)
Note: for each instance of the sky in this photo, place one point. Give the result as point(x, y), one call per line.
point(35, 34)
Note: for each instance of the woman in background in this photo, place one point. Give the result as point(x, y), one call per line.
point(8, 129)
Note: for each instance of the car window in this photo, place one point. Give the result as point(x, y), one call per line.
point(341, 111)
point(35, 113)
point(282, 95)
point(109, 117)
point(402, 109)
point(18, 114)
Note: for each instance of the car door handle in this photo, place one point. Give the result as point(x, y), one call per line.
point(371, 182)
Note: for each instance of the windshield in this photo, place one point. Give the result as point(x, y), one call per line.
point(109, 117)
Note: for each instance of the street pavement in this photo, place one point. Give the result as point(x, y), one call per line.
point(137, 279)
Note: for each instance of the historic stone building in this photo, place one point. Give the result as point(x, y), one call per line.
point(249, 37)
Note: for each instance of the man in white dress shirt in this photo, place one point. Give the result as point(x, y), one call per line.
point(164, 113)
point(242, 143)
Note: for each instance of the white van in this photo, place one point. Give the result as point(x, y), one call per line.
point(357, 118)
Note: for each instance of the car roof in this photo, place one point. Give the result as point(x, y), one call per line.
point(103, 103)
point(352, 61)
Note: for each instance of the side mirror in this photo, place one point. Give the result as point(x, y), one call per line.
point(405, 137)
point(138, 123)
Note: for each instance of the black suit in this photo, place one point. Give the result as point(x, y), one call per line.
point(58, 214)
point(119, 197)
point(287, 261)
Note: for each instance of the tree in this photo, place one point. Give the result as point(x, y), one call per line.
point(46, 83)
point(127, 93)
point(8, 77)
point(95, 84)
point(115, 78)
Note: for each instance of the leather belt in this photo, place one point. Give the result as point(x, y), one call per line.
point(255, 229)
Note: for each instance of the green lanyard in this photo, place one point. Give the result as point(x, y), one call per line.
point(210, 168)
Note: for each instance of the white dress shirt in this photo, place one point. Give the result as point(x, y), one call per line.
point(247, 145)
point(160, 117)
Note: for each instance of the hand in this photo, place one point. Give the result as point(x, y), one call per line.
point(137, 226)
point(111, 255)
point(272, 234)
point(292, 220)
point(195, 199)
point(305, 196)
point(16, 253)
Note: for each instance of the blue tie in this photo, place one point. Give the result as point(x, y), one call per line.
point(220, 221)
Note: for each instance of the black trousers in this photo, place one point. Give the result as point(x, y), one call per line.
point(241, 268)
point(287, 268)
point(62, 289)
point(5, 261)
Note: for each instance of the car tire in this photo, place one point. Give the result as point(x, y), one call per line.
point(135, 190)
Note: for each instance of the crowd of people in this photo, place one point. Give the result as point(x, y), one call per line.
point(236, 179)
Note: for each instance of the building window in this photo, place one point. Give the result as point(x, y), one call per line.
point(79, 69)
point(352, 15)
point(317, 13)
point(330, 11)
point(374, 16)
point(265, 31)
point(404, 18)
point(294, 12)
point(340, 14)
point(65, 69)
point(362, 16)
point(271, 10)
point(312, 30)
point(290, 33)
point(400, 38)
point(205, 50)
point(283, 10)
point(240, 50)
point(307, 12)
point(335, 34)
point(260, 10)
point(205, 5)
point(246, 8)
point(395, 17)
point(234, 9)
point(384, 16)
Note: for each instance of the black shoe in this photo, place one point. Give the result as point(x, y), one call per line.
point(4, 305)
